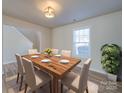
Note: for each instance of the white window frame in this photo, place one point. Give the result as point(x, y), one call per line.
point(74, 43)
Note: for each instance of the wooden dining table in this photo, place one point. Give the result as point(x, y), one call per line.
point(55, 68)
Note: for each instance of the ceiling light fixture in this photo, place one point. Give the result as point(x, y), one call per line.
point(49, 12)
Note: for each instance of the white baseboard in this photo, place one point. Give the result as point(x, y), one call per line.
point(94, 70)
point(7, 62)
point(98, 71)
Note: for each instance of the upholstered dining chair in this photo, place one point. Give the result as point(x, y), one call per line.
point(55, 51)
point(32, 51)
point(34, 79)
point(20, 69)
point(77, 83)
point(66, 53)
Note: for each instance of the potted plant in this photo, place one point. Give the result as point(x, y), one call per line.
point(48, 51)
point(111, 58)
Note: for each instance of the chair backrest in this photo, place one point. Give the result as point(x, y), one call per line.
point(55, 51)
point(32, 51)
point(29, 72)
point(19, 63)
point(66, 53)
point(84, 76)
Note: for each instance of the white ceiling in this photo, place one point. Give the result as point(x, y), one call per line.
point(66, 10)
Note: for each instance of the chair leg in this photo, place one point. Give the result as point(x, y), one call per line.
point(50, 87)
point(26, 88)
point(21, 83)
point(17, 78)
point(87, 90)
point(61, 88)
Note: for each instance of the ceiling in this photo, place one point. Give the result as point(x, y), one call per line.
point(67, 11)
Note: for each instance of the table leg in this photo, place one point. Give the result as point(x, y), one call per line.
point(55, 85)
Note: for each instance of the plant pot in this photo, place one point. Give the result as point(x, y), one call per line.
point(112, 77)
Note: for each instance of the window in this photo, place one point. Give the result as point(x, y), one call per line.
point(81, 43)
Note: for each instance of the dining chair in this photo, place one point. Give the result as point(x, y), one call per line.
point(55, 51)
point(34, 79)
point(66, 53)
point(32, 51)
point(20, 69)
point(77, 83)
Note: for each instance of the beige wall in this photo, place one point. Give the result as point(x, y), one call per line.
point(40, 36)
point(103, 29)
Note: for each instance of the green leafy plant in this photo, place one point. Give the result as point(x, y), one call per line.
point(48, 51)
point(111, 58)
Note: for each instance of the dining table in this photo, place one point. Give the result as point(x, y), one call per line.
point(54, 67)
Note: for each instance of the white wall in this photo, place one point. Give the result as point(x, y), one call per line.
point(103, 29)
point(40, 36)
point(13, 42)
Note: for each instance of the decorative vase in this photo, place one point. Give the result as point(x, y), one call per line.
point(48, 55)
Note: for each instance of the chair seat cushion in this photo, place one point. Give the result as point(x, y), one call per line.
point(71, 80)
point(41, 79)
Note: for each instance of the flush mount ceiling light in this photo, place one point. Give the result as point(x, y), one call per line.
point(49, 12)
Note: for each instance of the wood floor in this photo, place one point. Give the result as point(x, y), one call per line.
point(96, 83)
